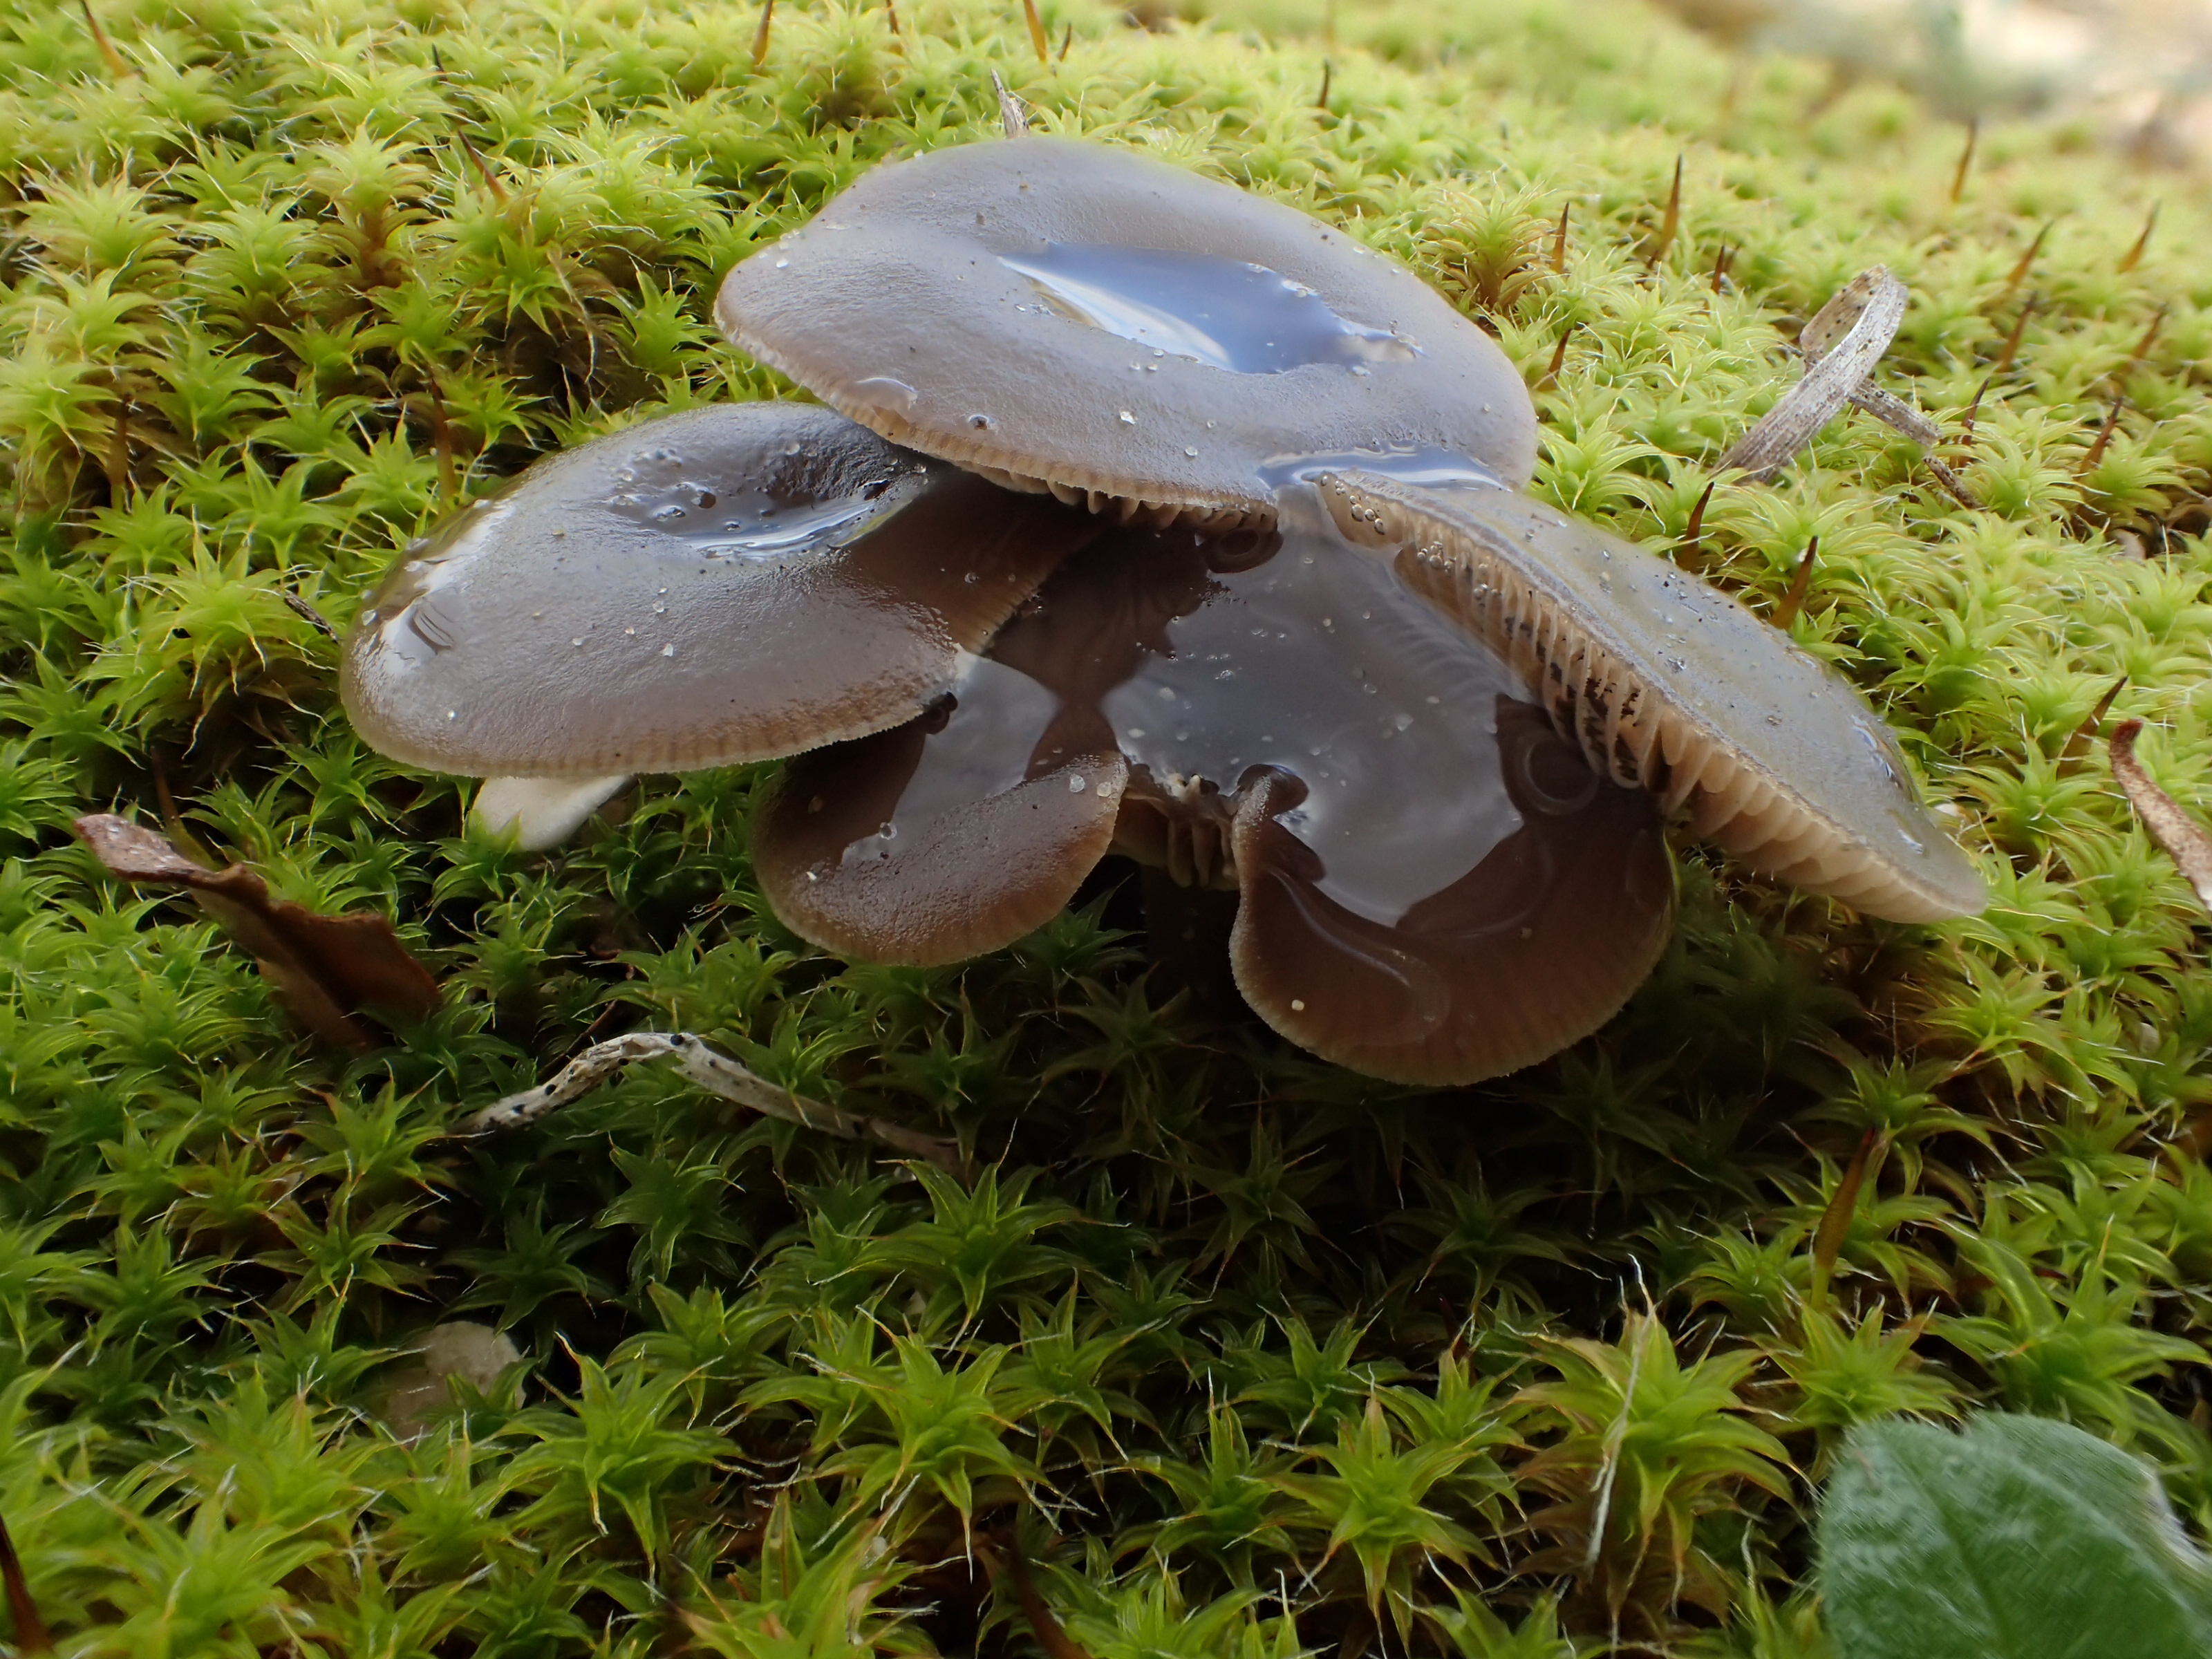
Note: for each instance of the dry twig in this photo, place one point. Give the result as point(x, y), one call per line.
point(719, 1075)
point(1842, 345)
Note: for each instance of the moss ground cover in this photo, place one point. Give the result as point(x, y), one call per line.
point(1224, 1352)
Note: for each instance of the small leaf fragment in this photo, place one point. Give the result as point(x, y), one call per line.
point(1013, 115)
point(325, 969)
point(2183, 839)
point(1836, 1220)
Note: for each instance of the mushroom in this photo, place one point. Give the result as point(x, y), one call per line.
point(971, 826)
point(1536, 946)
point(1425, 728)
point(1434, 886)
point(729, 584)
point(1666, 682)
point(1059, 315)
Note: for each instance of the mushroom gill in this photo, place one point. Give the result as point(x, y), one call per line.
point(1667, 682)
point(729, 584)
point(1432, 889)
point(1062, 315)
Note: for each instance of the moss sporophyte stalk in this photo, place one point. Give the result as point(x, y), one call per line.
point(1017, 1291)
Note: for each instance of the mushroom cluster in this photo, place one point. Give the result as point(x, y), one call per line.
point(1146, 517)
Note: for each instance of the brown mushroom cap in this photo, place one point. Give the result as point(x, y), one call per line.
point(1281, 717)
point(1059, 314)
point(1535, 948)
point(954, 835)
point(1667, 682)
point(728, 583)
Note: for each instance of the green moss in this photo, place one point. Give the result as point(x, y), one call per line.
point(1253, 1358)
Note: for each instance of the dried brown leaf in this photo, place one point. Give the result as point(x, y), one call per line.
point(2180, 834)
point(325, 969)
point(1836, 1220)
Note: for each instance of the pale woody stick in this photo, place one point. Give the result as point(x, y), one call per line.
point(719, 1075)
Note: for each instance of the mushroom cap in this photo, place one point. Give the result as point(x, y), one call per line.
point(1437, 888)
point(1669, 683)
point(1059, 314)
point(954, 835)
point(1534, 949)
point(729, 584)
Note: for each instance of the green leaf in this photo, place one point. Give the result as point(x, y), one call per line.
point(2020, 1538)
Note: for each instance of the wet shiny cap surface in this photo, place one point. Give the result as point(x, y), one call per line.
point(1058, 314)
point(1436, 887)
point(1536, 946)
point(729, 584)
point(1666, 682)
point(936, 842)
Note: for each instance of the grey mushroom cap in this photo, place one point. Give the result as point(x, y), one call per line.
point(1666, 682)
point(734, 583)
point(1059, 314)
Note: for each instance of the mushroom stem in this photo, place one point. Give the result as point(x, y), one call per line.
point(541, 813)
point(1187, 940)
